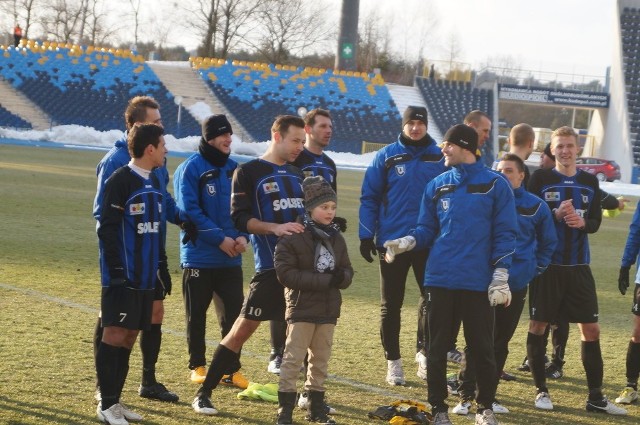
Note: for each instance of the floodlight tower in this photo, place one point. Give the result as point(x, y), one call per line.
point(348, 36)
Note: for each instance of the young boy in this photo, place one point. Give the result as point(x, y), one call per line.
point(313, 266)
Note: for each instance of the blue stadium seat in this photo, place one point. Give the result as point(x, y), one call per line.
point(88, 86)
point(256, 93)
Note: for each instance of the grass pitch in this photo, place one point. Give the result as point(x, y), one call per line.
point(49, 299)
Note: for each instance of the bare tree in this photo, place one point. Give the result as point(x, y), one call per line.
point(374, 42)
point(235, 16)
point(23, 12)
point(62, 19)
point(289, 27)
point(135, 6)
point(99, 29)
point(222, 24)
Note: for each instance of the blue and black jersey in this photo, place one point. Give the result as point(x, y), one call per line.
point(583, 189)
point(118, 156)
point(131, 243)
point(317, 165)
point(268, 192)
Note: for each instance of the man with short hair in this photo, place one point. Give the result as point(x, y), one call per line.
point(566, 290)
point(312, 161)
point(468, 219)
point(559, 328)
point(212, 265)
point(142, 109)
point(481, 123)
point(521, 140)
point(535, 242)
point(132, 256)
point(266, 202)
point(389, 208)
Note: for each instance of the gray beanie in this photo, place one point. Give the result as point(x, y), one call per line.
point(317, 191)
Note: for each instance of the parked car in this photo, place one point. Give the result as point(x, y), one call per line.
point(603, 169)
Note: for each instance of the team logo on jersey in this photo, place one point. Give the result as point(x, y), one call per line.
point(211, 189)
point(400, 169)
point(551, 196)
point(445, 204)
point(136, 209)
point(308, 173)
point(585, 199)
point(270, 187)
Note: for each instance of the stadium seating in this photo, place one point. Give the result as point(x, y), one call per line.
point(87, 86)
point(450, 101)
point(360, 104)
point(7, 119)
point(630, 32)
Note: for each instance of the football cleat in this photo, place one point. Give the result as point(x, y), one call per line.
point(111, 416)
point(499, 408)
point(543, 401)
point(158, 392)
point(627, 396)
point(604, 406)
point(303, 403)
point(235, 380)
point(198, 375)
point(421, 359)
point(454, 356)
point(274, 365)
point(395, 375)
point(202, 404)
point(462, 408)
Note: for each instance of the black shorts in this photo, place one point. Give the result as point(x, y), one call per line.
point(265, 300)
point(564, 293)
point(126, 308)
point(635, 307)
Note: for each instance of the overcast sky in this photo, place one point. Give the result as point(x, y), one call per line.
point(574, 36)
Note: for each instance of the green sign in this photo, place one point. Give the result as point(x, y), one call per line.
point(347, 50)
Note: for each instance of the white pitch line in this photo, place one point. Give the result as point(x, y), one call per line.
point(181, 334)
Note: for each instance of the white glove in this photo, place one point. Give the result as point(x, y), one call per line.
point(398, 246)
point(499, 292)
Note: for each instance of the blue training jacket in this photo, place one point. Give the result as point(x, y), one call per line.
point(468, 220)
point(632, 247)
point(118, 156)
point(392, 188)
point(536, 240)
point(203, 195)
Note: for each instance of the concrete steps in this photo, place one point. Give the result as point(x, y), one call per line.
point(181, 80)
point(405, 96)
point(18, 104)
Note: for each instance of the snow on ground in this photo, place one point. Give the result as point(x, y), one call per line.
point(75, 135)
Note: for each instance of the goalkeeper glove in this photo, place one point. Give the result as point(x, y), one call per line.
point(499, 292)
point(623, 279)
point(398, 246)
point(367, 247)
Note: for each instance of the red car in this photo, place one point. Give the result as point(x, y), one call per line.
point(604, 169)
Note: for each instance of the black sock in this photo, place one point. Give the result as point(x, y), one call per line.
point(535, 354)
point(592, 362)
point(278, 331)
point(222, 358)
point(97, 338)
point(150, 346)
point(107, 360)
point(633, 364)
point(559, 338)
point(123, 367)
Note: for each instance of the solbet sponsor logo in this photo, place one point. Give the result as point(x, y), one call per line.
point(148, 227)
